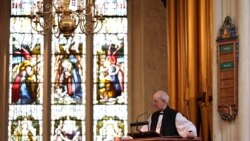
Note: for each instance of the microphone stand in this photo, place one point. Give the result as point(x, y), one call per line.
point(137, 123)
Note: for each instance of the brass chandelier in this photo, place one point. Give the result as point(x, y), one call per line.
point(58, 18)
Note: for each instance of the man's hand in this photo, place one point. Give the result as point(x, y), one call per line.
point(190, 135)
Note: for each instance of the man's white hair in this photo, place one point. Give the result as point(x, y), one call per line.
point(162, 95)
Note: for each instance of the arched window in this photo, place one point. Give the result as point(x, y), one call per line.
point(72, 86)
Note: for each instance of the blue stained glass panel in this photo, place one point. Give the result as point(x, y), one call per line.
point(26, 51)
point(68, 79)
point(68, 70)
point(26, 68)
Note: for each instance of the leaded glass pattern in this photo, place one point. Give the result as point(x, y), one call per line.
point(68, 77)
point(110, 72)
point(68, 70)
point(68, 122)
point(110, 121)
point(26, 75)
point(112, 7)
point(110, 69)
point(115, 25)
point(23, 7)
point(25, 123)
point(68, 88)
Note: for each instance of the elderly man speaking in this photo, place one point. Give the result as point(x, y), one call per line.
point(167, 121)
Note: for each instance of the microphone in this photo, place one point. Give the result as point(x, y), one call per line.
point(140, 116)
point(137, 123)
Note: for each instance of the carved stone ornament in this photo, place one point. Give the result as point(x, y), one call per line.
point(227, 30)
point(227, 112)
point(227, 66)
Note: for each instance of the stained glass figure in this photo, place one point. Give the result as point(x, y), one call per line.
point(109, 121)
point(110, 71)
point(25, 68)
point(26, 51)
point(109, 67)
point(68, 76)
point(67, 128)
point(26, 124)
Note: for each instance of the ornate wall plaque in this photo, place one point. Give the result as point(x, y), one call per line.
point(227, 64)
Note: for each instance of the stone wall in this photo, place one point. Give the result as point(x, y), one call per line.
point(148, 54)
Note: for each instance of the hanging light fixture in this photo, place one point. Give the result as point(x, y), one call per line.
point(61, 18)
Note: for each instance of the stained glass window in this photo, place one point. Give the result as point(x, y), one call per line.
point(68, 63)
point(110, 72)
point(26, 75)
point(67, 92)
point(68, 88)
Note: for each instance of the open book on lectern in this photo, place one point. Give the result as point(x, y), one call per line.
point(144, 134)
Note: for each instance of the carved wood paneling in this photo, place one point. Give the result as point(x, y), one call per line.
point(227, 64)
